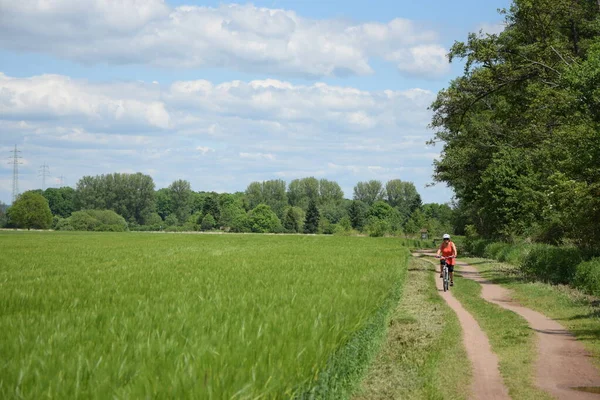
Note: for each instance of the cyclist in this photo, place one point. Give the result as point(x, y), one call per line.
point(447, 249)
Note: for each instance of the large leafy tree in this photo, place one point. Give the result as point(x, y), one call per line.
point(403, 196)
point(302, 191)
point(29, 211)
point(129, 195)
point(180, 193)
point(521, 124)
point(272, 193)
point(61, 200)
point(369, 192)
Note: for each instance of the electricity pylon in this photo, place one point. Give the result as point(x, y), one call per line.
point(15, 162)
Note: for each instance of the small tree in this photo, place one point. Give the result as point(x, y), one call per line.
point(311, 223)
point(358, 214)
point(208, 222)
point(293, 220)
point(30, 210)
point(262, 219)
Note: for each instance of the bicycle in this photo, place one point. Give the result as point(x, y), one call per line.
point(445, 273)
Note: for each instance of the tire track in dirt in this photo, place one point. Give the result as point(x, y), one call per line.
point(562, 362)
point(487, 382)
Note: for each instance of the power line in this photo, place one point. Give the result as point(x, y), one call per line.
point(15, 163)
point(44, 172)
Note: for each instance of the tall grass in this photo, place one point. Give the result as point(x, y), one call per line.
point(128, 315)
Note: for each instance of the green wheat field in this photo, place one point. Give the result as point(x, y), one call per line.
point(133, 315)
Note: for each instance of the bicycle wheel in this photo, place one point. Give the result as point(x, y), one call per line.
point(445, 279)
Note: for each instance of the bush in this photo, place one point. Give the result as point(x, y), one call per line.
point(551, 263)
point(63, 224)
point(587, 277)
point(83, 221)
point(377, 227)
point(96, 220)
point(477, 247)
point(493, 250)
point(262, 220)
point(208, 223)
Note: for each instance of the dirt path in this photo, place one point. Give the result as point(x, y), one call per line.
point(562, 362)
point(487, 383)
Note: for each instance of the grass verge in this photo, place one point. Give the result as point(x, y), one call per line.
point(417, 361)
point(510, 337)
point(577, 312)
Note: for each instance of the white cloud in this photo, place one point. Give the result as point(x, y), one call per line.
point(253, 130)
point(242, 37)
point(258, 156)
point(57, 96)
point(204, 149)
point(491, 28)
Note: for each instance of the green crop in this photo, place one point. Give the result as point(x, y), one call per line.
point(125, 315)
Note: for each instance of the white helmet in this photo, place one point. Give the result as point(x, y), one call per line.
point(446, 236)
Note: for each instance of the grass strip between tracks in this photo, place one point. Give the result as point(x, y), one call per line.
point(423, 356)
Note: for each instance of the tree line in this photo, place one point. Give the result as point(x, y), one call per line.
point(118, 202)
point(521, 126)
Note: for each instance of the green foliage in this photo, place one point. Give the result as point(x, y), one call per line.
point(333, 211)
point(403, 196)
point(180, 193)
point(153, 219)
point(62, 224)
point(302, 191)
point(208, 222)
point(164, 208)
point(129, 195)
point(61, 201)
point(587, 277)
point(415, 223)
point(369, 192)
point(272, 193)
point(211, 206)
point(232, 214)
point(551, 264)
point(520, 127)
point(171, 220)
point(29, 211)
point(357, 212)
point(262, 220)
point(3, 216)
point(311, 222)
point(293, 220)
point(96, 220)
point(378, 227)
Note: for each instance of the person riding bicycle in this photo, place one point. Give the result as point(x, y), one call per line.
point(447, 249)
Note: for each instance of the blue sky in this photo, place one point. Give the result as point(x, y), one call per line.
point(223, 94)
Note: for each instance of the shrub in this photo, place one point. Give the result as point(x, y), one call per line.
point(262, 220)
point(82, 221)
point(63, 224)
point(377, 227)
point(96, 220)
point(587, 277)
point(208, 222)
point(477, 247)
point(551, 263)
point(494, 249)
